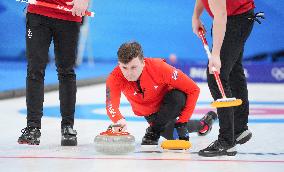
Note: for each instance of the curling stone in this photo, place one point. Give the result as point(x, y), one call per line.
point(111, 142)
point(176, 144)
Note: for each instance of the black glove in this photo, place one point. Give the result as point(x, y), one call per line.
point(182, 131)
point(257, 17)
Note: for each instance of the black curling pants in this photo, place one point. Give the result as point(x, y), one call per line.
point(40, 31)
point(233, 120)
point(164, 120)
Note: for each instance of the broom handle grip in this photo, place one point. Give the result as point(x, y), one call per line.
point(59, 7)
point(219, 83)
point(216, 75)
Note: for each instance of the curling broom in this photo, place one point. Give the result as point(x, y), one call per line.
point(54, 6)
point(224, 101)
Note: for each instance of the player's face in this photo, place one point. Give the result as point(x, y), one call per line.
point(132, 70)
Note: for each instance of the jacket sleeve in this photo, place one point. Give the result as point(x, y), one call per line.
point(178, 80)
point(113, 94)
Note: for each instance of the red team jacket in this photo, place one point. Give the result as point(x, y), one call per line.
point(54, 13)
point(234, 7)
point(156, 80)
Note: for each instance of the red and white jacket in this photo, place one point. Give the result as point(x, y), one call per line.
point(54, 13)
point(234, 7)
point(156, 80)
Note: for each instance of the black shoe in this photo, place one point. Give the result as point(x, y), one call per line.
point(208, 121)
point(243, 137)
point(30, 136)
point(68, 136)
point(150, 137)
point(216, 149)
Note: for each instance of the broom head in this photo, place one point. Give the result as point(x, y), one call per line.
point(176, 144)
point(226, 102)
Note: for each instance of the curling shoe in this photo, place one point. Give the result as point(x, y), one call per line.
point(30, 136)
point(68, 136)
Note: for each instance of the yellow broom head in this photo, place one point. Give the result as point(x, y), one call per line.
point(226, 102)
point(176, 144)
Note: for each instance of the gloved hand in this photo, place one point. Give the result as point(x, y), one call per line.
point(182, 131)
point(123, 125)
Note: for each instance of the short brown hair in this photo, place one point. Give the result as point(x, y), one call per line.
point(128, 51)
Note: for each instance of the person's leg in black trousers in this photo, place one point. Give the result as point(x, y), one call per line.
point(38, 39)
point(66, 35)
point(170, 109)
point(172, 105)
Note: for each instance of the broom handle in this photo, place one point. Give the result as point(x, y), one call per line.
point(54, 6)
point(216, 75)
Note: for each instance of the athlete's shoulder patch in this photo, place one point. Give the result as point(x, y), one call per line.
point(175, 74)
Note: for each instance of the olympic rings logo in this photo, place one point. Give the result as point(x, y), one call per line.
point(278, 73)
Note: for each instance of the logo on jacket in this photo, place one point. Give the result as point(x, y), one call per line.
point(60, 7)
point(111, 111)
point(175, 75)
point(156, 86)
